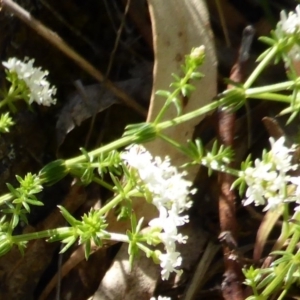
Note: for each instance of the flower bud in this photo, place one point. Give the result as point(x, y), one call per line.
point(198, 54)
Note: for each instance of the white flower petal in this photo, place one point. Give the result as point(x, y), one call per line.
point(34, 78)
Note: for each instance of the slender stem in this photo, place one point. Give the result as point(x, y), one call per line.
point(172, 142)
point(41, 234)
point(143, 247)
point(254, 289)
point(277, 281)
point(111, 204)
point(178, 146)
point(270, 88)
point(285, 225)
point(98, 180)
point(261, 66)
point(12, 95)
point(103, 183)
point(172, 96)
point(293, 242)
point(229, 171)
point(61, 232)
point(272, 97)
point(284, 267)
point(124, 141)
point(119, 237)
point(284, 292)
point(198, 112)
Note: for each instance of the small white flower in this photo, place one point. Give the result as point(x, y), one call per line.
point(168, 187)
point(290, 23)
point(274, 201)
point(137, 157)
point(267, 181)
point(160, 298)
point(170, 194)
point(281, 155)
point(34, 78)
point(168, 223)
point(210, 162)
point(169, 262)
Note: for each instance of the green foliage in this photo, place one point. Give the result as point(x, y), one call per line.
point(129, 183)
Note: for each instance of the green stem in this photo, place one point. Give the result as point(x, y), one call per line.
point(179, 147)
point(98, 180)
point(111, 204)
point(277, 282)
point(283, 268)
point(40, 234)
point(118, 237)
point(63, 231)
point(261, 66)
point(191, 115)
point(285, 229)
point(284, 292)
point(172, 142)
point(272, 97)
point(103, 183)
point(254, 289)
point(124, 141)
point(286, 216)
point(270, 88)
point(127, 140)
point(12, 95)
point(229, 171)
point(175, 93)
point(293, 242)
point(143, 247)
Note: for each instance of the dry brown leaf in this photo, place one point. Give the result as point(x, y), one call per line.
point(95, 98)
point(265, 228)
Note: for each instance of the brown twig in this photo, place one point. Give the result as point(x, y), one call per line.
point(60, 44)
point(232, 282)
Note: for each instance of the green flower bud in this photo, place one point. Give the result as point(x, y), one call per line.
point(198, 54)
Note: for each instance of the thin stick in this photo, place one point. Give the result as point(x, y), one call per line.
point(117, 41)
point(59, 43)
point(233, 278)
point(110, 63)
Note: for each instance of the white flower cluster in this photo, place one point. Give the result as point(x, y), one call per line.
point(160, 298)
point(289, 24)
point(34, 78)
point(268, 180)
point(170, 194)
